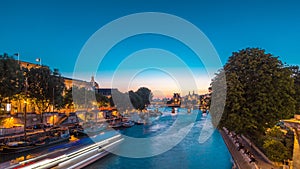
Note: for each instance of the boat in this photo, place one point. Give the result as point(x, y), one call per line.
point(175, 101)
point(128, 123)
point(139, 122)
point(54, 136)
point(116, 125)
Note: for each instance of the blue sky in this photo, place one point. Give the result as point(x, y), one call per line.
point(56, 31)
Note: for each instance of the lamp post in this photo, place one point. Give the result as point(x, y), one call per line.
point(25, 109)
point(53, 99)
point(53, 120)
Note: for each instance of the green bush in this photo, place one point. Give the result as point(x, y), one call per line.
point(275, 150)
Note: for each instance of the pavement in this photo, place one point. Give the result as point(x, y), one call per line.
point(240, 158)
point(262, 161)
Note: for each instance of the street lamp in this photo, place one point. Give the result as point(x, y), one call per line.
point(25, 109)
point(53, 119)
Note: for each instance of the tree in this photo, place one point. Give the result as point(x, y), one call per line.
point(121, 100)
point(68, 99)
point(275, 150)
point(83, 98)
point(296, 76)
point(131, 100)
point(57, 84)
point(101, 100)
point(44, 87)
point(11, 78)
point(259, 92)
point(278, 146)
point(145, 95)
point(136, 100)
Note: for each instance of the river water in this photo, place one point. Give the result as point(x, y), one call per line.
point(192, 152)
point(201, 145)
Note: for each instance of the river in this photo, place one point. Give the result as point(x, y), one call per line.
point(184, 140)
point(188, 153)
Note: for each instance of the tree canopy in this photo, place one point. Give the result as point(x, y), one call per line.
point(132, 100)
point(11, 77)
point(260, 91)
point(45, 88)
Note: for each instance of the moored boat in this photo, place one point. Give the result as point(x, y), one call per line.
point(116, 125)
point(128, 123)
point(53, 137)
point(139, 122)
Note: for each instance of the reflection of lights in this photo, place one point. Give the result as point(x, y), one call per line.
point(73, 138)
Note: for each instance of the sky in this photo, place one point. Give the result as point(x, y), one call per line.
point(56, 31)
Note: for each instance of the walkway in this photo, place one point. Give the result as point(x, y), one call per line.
point(262, 161)
point(241, 158)
point(237, 156)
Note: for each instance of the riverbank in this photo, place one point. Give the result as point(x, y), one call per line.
point(242, 150)
point(239, 162)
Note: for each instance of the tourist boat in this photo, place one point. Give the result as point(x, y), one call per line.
point(54, 136)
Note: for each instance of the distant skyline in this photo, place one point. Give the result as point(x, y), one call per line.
point(56, 31)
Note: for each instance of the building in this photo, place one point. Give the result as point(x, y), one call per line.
point(69, 82)
point(106, 91)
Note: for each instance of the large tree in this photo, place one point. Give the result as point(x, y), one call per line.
point(102, 101)
point(57, 84)
point(296, 76)
point(145, 95)
point(259, 92)
point(68, 99)
point(11, 78)
point(136, 100)
point(83, 97)
point(132, 100)
point(45, 88)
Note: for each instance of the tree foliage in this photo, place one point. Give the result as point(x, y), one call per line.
point(136, 100)
point(68, 99)
point(57, 84)
point(296, 76)
point(260, 92)
point(102, 101)
point(45, 88)
point(11, 77)
point(132, 100)
point(275, 150)
point(145, 95)
point(83, 97)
